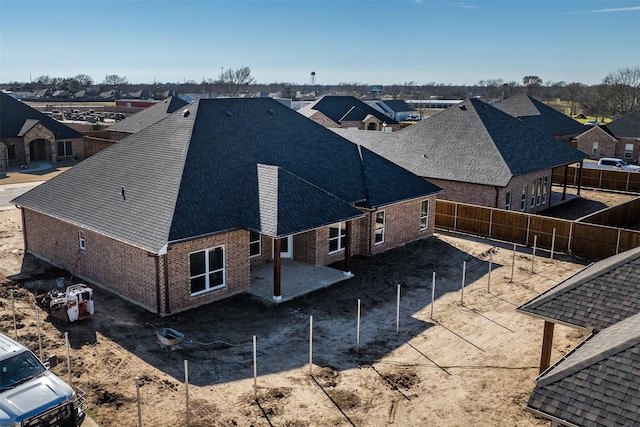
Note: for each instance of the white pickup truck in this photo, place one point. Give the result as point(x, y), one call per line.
point(612, 164)
point(32, 395)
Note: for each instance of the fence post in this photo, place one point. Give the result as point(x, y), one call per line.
point(618, 242)
point(533, 258)
point(433, 292)
point(570, 236)
point(490, 221)
point(513, 262)
point(455, 216)
point(553, 241)
point(528, 229)
point(464, 273)
point(489, 280)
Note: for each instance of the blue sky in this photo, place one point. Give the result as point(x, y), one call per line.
point(346, 41)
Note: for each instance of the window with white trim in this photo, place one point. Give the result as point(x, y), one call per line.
point(539, 192)
point(255, 244)
point(628, 151)
point(65, 149)
point(534, 185)
point(379, 238)
point(545, 186)
point(81, 242)
point(507, 200)
point(337, 237)
point(523, 198)
point(594, 148)
point(424, 215)
point(207, 270)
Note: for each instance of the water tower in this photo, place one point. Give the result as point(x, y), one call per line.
point(313, 78)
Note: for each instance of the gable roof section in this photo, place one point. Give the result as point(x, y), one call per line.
point(16, 118)
point(540, 115)
point(597, 297)
point(229, 164)
point(397, 105)
point(470, 142)
point(598, 382)
point(148, 116)
point(627, 126)
point(347, 108)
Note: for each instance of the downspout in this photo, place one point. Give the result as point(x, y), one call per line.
point(158, 299)
point(497, 196)
point(165, 259)
point(24, 230)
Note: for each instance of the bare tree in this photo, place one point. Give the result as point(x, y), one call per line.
point(84, 80)
point(114, 80)
point(623, 90)
point(574, 92)
point(233, 82)
point(531, 83)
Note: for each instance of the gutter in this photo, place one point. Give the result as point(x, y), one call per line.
point(554, 420)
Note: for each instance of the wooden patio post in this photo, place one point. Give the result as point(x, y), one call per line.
point(277, 293)
point(547, 341)
point(579, 179)
point(564, 183)
point(347, 249)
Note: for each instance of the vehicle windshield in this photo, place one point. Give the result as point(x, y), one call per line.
point(18, 369)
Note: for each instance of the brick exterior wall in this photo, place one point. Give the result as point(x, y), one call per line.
point(485, 195)
point(39, 132)
point(236, 263)
point(135, 274)
point(128, 271)
point(607, 145)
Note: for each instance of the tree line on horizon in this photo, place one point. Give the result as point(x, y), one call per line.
point(617, 94)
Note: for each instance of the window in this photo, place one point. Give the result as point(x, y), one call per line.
point(207, 270)
point(255, 244)
point(64, 149)
point(507, 200)
point(337, 237)
point(533, 192)
point(523, 199)
point(594, 149)
point(379, 228)
point(539, 192)
point(545, 184)
point(424, 215)
point(628, 151)
point(81, 241)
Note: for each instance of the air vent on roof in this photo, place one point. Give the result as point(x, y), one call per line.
point(229, 113)
point(186, 112)
point(270, 110)
point(463, 107)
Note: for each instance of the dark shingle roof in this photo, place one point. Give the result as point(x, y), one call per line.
point(148, 116)
point(598, 296)
point(398, 105)
point(347, 109)
point(228, 164)
point(470, 142)
point(538, 114)
point(627, 126)
point(597, 384)
point(16, 117)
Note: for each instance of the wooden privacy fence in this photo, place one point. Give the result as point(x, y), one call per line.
point(599, 178)
point(593, 241)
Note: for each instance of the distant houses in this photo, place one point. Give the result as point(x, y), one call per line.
point(619, 138)
point(27, 135)
point(348, 112)
point(478, 154)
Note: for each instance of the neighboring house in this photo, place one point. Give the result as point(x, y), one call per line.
point(145, 118)
point(139, 94)
point(397, 109)
point(619, 138)
point(540, 115)
point(176, 215)
point(603, 298)
point(27, 135)
point(597, 383)
point(348, 112)
point(477, 154)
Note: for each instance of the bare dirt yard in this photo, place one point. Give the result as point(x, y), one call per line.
point(469, 359)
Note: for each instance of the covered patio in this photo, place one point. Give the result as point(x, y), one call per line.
point(297, 279)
